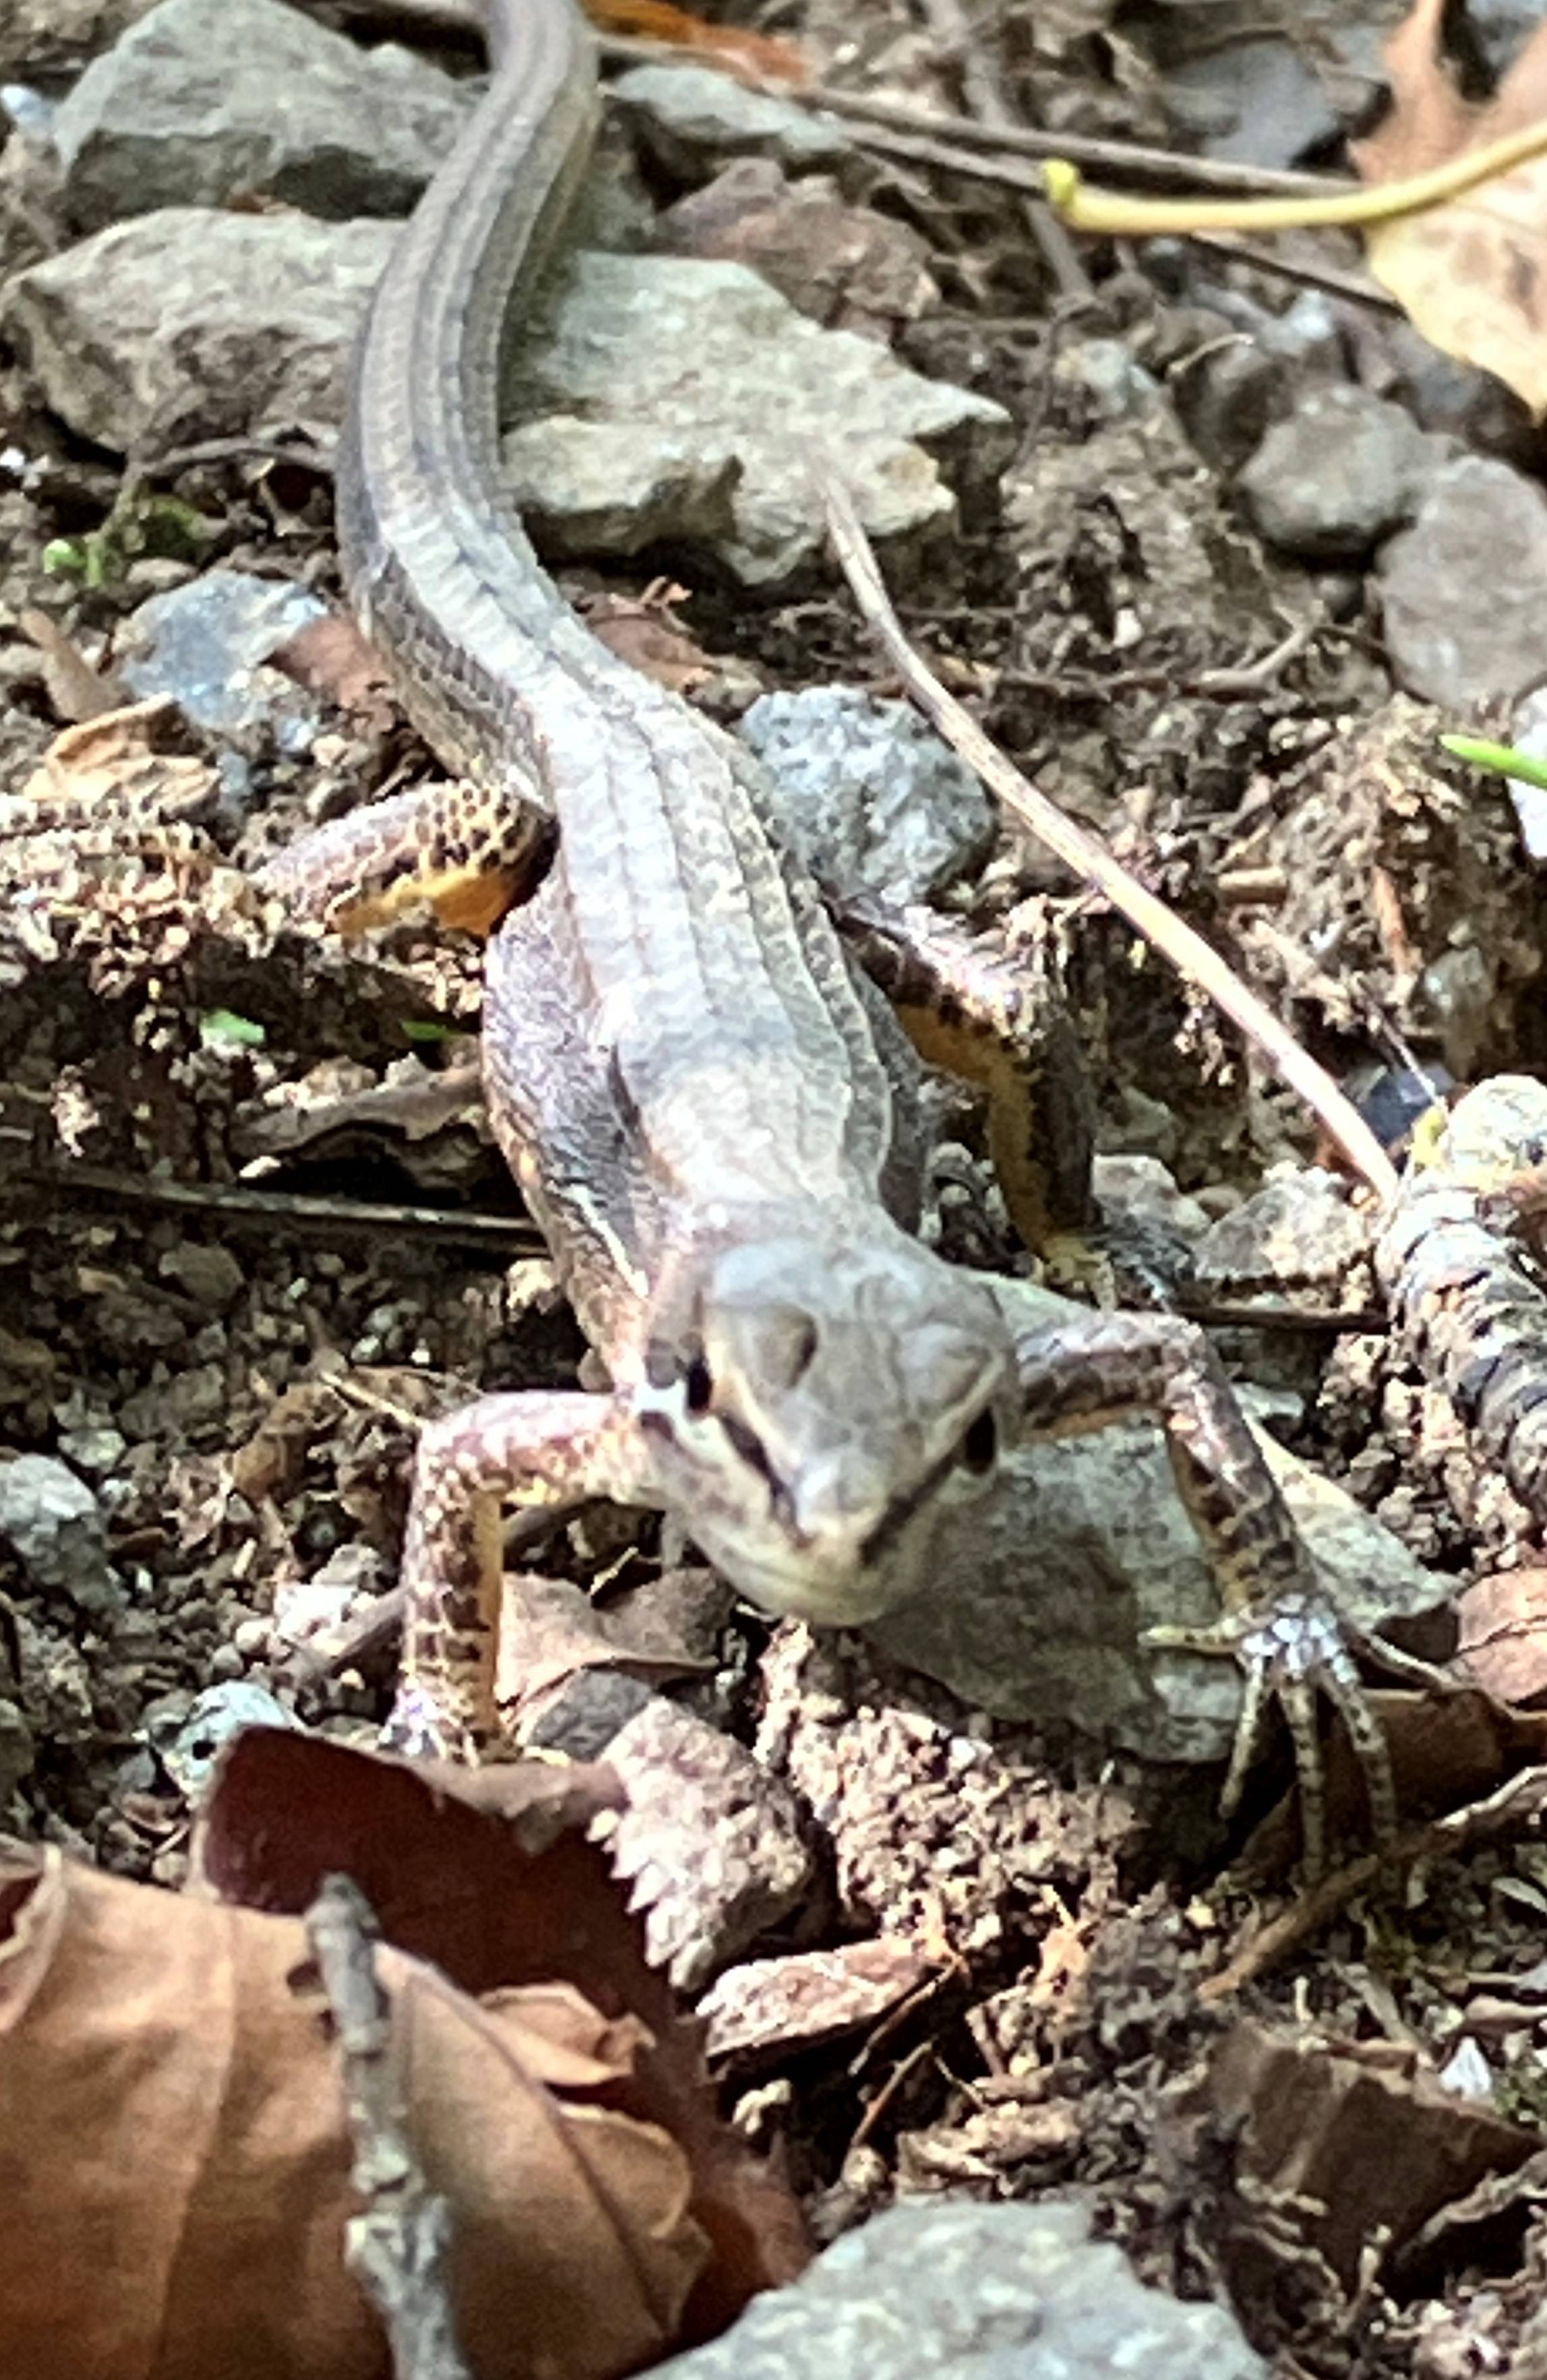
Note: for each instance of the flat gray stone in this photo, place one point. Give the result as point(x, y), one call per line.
point(208, 644)
point(684, 355)
point(868, 794)
point(1302, 1229)
point(1254, 102)
point(1040, 1594)
point(691, 119)
point(948, 2290)
point(1339, 473)
point(207, 100)
point(192, 322)
point(54, 1525)
point(190, 1743)
point(1464, 590)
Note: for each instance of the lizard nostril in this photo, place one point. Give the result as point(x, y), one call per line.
point(803, 1350)
point(979, 1447)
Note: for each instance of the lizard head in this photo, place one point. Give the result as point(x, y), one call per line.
point(823, 1402)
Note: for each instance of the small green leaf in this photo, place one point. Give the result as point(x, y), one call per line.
point(1502, 759)
point(220, 1029)
point(429, 1028)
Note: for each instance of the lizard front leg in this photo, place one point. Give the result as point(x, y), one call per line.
point(541, 1451)
point(1278, 1621)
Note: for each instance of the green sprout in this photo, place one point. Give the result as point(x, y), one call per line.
point(1502, 759)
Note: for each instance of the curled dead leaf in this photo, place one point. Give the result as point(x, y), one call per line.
point(172, 2121)
point(1472, 273)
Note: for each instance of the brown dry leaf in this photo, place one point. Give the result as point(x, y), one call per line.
point(1503, 1634)
point(1472, 274)
point(774, 2006)
point(173, 2127)
point(550, 1630)
point(657, 20)
point(172, 2120)
point(484, 1873)
point(331, 658)
point(642, 631)
point(1361, 2136)
point(77, 688)
point(107, 768)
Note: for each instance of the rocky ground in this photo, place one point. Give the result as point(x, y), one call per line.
point(1217, 550)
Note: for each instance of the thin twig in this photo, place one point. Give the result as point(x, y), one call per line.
point(1015, 173)
point(281, 1210)
point(1122, 157)
point(1354, 286)
point(397, 2248)
point(1188, 952)
point(1507, 1811)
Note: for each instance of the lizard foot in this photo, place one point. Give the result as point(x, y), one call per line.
point(1291, 1650)
point(417, 1728)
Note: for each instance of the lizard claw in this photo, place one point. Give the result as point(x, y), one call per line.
point(1290, 1650)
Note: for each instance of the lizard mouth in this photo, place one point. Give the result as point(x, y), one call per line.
point(837, 1585)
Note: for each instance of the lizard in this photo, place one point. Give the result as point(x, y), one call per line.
point(1460, 1260)
point(696, 1099)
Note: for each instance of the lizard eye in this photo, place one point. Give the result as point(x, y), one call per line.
point(698, 1383)
point(979, 1447)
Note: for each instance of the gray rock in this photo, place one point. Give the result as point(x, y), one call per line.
point(1140, 1192)
point(1060, 1638)
point(1442, 393)
point(208, 99)
point(1504, 26)
point(1225, 398)
point(585, 1713)
point(55, 1525)
point(1340, 472)
point(195, 324)
point(689, 119)
point(709, 1841)
point(675, 356)
point(95, 1448)
point(190, 1741)
point(28, 111)
point(208, 644)
point(210, 1274)
point(591, 487)
point(1255, 102)
point(1306, 335)
point(1229, 391)
point(948, 2290)
point(17, 1751)
point(1302, 1228)
point(1108, 374)
point(837, 261)
point(1464, 590)
point(872, 798)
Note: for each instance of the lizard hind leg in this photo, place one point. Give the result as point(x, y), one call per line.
point(466, 851)
point(999, 1022)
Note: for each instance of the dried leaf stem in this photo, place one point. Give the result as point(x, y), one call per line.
point(1192, 957)
point(398, 2246)
point(1112, 212)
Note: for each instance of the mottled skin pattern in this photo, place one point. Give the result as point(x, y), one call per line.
point(1460, 1260)
point(689, 1087)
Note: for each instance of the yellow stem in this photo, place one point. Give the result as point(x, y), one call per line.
point(1083, 209)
